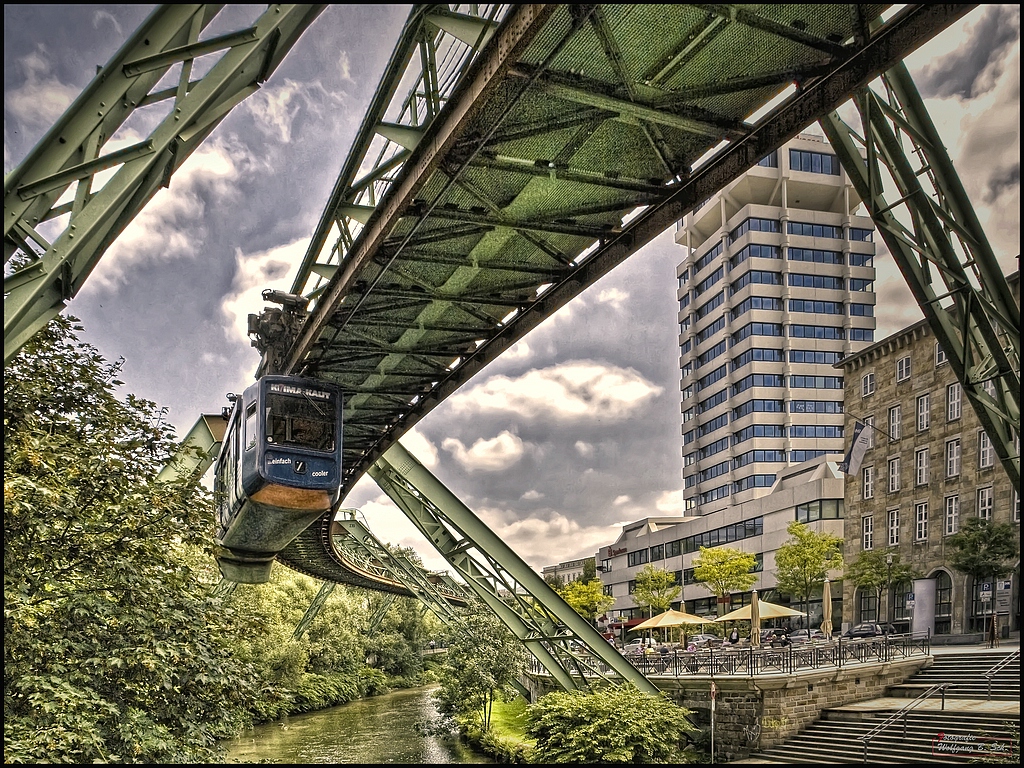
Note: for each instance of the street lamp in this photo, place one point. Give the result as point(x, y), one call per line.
point(888, 588)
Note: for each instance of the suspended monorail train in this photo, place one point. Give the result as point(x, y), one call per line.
point(279, 469)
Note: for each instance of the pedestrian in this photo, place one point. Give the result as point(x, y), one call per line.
point(734, 636)
point(432, 645)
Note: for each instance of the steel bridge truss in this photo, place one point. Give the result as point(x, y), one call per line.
point(938, 243)
point(532, 611)
point(60, 215)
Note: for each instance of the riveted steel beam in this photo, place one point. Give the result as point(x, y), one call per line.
point(941, 249)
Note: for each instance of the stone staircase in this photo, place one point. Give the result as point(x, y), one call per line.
point(931, 735)
point(966, 673)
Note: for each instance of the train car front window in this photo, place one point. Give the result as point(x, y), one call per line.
point(302, 422)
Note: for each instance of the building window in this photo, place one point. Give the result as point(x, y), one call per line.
point(813, 162)
point(894, 422)
point(953, 457)
point(952, 507)
point(943, 603)
point(867, 528)
point(869, 428)
point(985, 503)
point(903, 368)
point(924, 405)
point(940, 355)
point(921, 521)
point(986, 456)
point(921, 466)
point(953, 402)
point(894, 474)
point(894, 527)
point(867, 385)
point(868, 482)
point(637, 558)
point(868, 605)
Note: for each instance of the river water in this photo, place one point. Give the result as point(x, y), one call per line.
point(380, 729)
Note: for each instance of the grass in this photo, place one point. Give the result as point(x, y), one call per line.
point(509, 720)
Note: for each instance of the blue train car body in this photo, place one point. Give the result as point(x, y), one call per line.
point(279, 470)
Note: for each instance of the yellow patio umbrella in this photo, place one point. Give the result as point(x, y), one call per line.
point(670, 618)
point(755, 619)
point(764, 611)
point(826, 608)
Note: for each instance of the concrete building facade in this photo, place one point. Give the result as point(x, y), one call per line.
point(777, 286)
point(811, 492)
point(929, 466)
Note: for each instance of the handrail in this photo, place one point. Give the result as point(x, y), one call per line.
point(998, 667)
point(867, 737)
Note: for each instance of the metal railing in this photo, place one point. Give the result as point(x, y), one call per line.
point(756, 660)
point(995, 669)
point(867, 737)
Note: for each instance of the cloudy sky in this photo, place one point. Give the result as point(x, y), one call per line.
point(576, 429)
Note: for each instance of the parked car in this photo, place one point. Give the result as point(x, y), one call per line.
point(637, 646)
point(702, 640)
point(805, 635)
point(869, 629)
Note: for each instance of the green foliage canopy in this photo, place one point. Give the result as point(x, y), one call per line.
point(587, 598)
point(115, 648)
point(983, 549)
point(616, 724)
point(482, 664)
point(803, 562)
point(655, 589)
point(724, 570)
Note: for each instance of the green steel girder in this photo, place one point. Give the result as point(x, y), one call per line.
point(198, 449)
point(380, 612)
point(435, 594)
point(941, 249)
point(571, 140)
point(516, 593)
point(41, 275)
point(315, 605)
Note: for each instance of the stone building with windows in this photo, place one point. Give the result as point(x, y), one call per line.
point(928, 466)
point(564, 572)
point(810, 492)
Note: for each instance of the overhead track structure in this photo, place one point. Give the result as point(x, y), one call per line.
point(75, 192)
point(575, 136)
point(550, 629)
point(940, 247)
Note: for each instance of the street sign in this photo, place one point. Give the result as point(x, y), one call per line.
point(986, 591)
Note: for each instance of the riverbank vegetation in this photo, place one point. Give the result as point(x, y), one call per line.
point(117, 646)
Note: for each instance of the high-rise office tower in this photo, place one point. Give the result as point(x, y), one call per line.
point(776, 288)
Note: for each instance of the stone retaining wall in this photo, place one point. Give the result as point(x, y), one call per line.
point(756, 712)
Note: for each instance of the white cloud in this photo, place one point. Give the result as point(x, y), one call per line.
point(498, 453)
point(532, 495)
point(615, 297)
point(416, 443)
point(256, 272)
point(584, 449)
point(42, 98)
point(671, 504)
point(568, 391)
point(275, 108)
point(620, 500)
point(546, 541)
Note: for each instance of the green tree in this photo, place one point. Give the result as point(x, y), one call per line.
point(616, 724)
point(482, 664)
point(115, 648)
point(984, 550)
point(589, 570)
point(655, 589)
point(724, 570)
point(870, 570)
point(802, 563)
point(587, 598)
